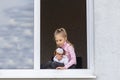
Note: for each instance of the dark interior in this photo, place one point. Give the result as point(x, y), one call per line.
point(69, 14)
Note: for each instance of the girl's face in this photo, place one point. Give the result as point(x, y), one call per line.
point(60, 40)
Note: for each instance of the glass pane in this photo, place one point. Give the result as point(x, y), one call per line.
point(16, 34)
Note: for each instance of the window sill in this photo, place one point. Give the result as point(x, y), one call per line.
point(79, 73)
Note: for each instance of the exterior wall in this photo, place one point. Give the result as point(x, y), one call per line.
point(107, 41)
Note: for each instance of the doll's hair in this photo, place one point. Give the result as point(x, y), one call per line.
point(64, 34)
point(60, 48)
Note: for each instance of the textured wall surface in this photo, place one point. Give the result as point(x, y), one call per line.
point(107, 41)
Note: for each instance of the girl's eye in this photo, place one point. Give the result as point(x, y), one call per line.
point(60, 40)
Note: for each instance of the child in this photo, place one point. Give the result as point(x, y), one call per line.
point(59, 60)
point(60, 36)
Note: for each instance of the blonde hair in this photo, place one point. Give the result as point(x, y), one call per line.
point(63, 31)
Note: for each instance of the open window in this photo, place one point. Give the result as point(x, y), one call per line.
point(70, 15)
point(76, 16)
point(30, 37)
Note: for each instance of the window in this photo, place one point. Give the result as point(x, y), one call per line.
point(70, 15)
point(47, 18)
point(17, 34)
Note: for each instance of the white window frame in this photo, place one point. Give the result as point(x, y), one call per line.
point(45, 73)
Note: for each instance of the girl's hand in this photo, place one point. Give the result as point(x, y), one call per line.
point(61, 68)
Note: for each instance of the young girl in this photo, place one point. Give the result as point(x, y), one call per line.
point(60, 36)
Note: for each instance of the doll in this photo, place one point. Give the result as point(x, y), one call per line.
point(59, 60)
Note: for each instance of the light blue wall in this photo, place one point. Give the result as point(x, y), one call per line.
point(107, 41)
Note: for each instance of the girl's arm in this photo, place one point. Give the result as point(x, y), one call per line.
point(73, 57)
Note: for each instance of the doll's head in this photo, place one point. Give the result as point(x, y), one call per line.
point(59, 51)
